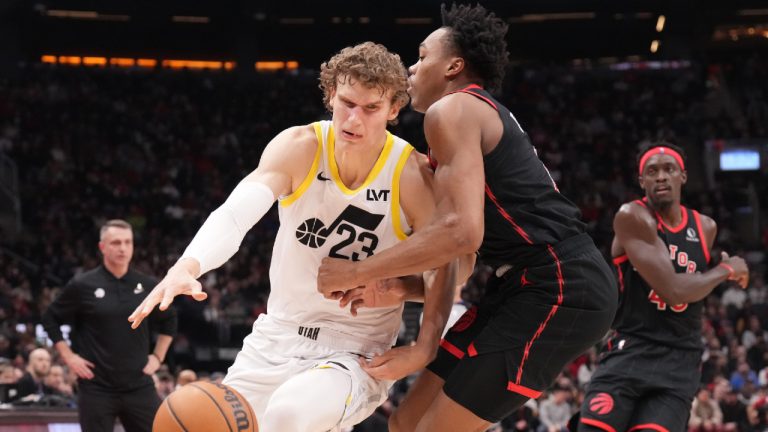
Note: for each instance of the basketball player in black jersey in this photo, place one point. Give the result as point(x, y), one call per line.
point(650, 372)
point(552, 295)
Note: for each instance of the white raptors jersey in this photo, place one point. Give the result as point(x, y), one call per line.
point(324, 218)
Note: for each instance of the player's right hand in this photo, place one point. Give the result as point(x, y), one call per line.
point(80, 366)
point(179, 280)
point(740, 269)
point(382, 293)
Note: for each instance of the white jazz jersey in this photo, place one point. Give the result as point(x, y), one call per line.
point(324, 218)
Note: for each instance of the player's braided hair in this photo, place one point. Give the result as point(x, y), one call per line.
point(652, 145)
point(479, 37)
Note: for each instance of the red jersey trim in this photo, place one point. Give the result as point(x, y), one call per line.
point(451, 348)
point(649, 426)
point(525, 391)
point(680, 226)
point(598, 424)
point(475, 86)
point(661, 223)
point(543, 325)
point(506, 215)
point(617, 262)
point(703, 237)
point(471, 350)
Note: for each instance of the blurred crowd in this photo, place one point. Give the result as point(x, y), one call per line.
point(161, 149)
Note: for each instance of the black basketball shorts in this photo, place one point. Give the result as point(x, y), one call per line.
point(640, 385)
point(533, 320)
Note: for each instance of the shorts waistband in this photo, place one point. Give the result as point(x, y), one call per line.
point(327, 337)
point(565, 249)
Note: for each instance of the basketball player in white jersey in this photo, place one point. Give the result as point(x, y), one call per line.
point(346, 188)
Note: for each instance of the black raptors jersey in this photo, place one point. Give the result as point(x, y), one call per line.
point(642, 312)
point(524, 211)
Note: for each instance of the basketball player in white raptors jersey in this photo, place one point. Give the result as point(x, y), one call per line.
point(346, 188)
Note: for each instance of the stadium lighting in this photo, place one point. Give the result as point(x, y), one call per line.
point(126, 62)
point(660, 23)
point(190, 19)
point(297, 20)
point(198, 64)
point(148, 63)
point(752, 12)
point(267, 66)
point(95, 61)
point(655, 46)
point(70, 60)
point(122, 62)
point(86, 15)
point(413, 21)
point(564, 16)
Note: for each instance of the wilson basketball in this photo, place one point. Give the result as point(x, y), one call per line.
point(205, 407)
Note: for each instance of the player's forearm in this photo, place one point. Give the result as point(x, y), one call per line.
point(690, 288)
point(161, 346)
point(188, 264)
point(438, 299)
point(221, 234)
point(466, 266)
point(64, 350)
point(414, 287)
point(429, 248)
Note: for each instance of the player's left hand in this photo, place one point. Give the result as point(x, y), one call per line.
point(337, 276)
point(398, 362)
point(153, 364)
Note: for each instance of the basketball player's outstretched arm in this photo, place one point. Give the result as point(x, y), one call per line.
point(284, 162)
point(636, 234)
point(452, 128)
point(418, 203)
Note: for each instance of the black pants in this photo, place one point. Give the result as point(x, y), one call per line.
point(98, 407)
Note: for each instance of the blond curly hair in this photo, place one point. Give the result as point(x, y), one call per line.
point(370, 64)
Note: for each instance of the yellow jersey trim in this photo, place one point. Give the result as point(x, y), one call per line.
point(397, 224)
point(371, 175)
point(290, 199)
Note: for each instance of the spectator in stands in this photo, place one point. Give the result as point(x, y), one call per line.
point(705, 413)
point(525, 419)
point(757, 411)
point(56, 380)
point(555, 411)
point(734, 297)
point(32, 384)
point(7, 372)
point(752, 333)
point(743, 375)
point(164, 384)
point(587, 369)
point(6, 349)
point(734, 412)
point(185, 377)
